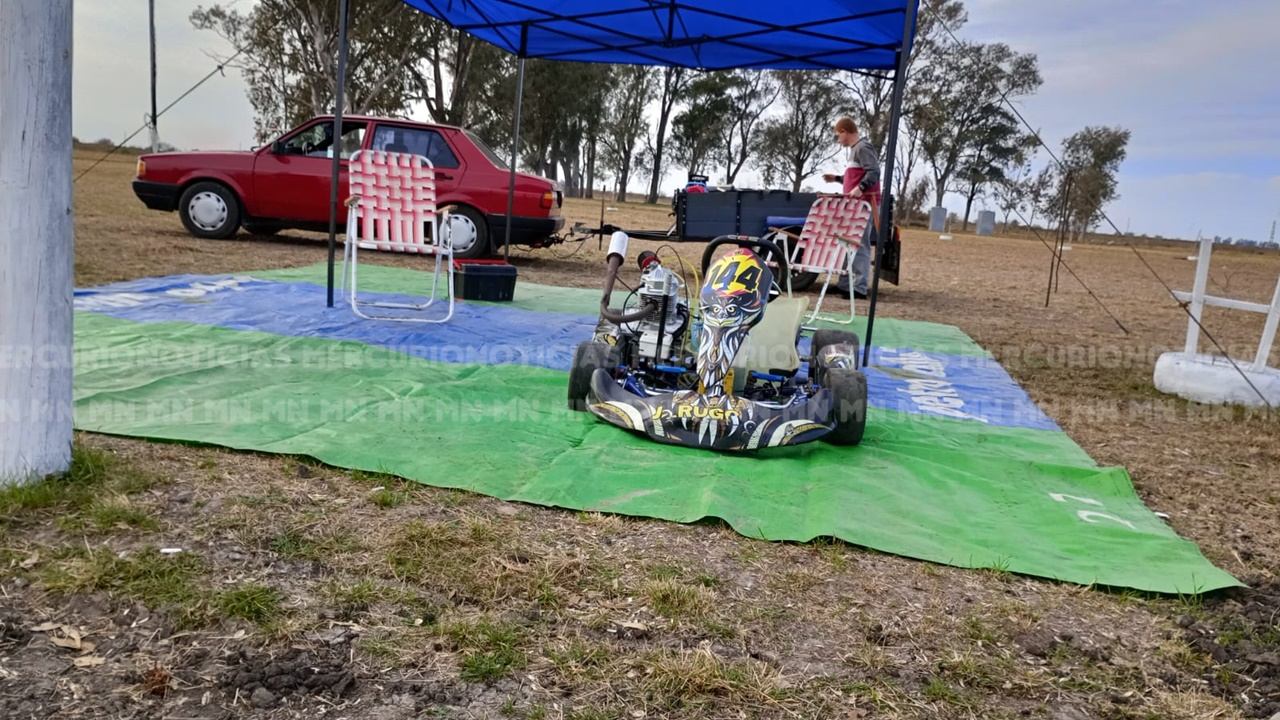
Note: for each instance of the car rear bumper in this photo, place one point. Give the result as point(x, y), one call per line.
point(156, 196)
point(524, 230)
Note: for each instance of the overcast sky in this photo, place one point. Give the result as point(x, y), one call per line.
point(1195, 82)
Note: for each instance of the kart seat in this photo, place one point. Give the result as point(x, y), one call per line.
point(770, 347)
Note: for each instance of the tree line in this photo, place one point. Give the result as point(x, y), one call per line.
point(593, 125)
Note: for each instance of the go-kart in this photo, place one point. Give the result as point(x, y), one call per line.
point(728, 376)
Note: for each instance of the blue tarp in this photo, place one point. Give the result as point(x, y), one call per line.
point(699, 34)
point(904, 379)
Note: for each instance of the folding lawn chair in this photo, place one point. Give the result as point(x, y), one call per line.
point(832, 233)
point(393, 202)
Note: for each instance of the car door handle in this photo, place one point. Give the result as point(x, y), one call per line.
point(443, 176)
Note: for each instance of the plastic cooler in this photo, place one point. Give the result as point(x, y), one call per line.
point(492, 280)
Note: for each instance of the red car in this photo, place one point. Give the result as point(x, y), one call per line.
point(286, 184)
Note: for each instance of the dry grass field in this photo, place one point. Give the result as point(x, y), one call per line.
point(309, 591)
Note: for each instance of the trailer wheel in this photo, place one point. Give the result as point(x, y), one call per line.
point(801, 280)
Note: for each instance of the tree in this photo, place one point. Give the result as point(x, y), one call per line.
point(873, 93)
point(908, 136)
point(1023, 190)
point(592, 114)
point(750, 93)
point(469, 62)
point(625, 121)
point(796, 143)
point(1086, 181)
point(674, 80)
point(912, 202)
point(290, 50)
point(959, 106)
point(698, 131)
point(997, 145)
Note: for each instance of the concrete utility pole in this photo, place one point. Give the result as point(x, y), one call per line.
point(36, 239)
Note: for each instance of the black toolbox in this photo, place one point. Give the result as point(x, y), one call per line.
point(491, 280)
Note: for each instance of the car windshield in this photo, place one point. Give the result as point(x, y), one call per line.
point(488, 151)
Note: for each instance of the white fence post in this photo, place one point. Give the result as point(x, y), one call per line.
point(1197, 297)
point(1268, 332)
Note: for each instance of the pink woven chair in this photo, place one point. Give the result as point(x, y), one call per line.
point(392, 205)
point(831, 235)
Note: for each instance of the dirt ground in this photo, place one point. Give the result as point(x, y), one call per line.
point(300, 590)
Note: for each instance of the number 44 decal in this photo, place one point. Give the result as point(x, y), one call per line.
point(1091, 516)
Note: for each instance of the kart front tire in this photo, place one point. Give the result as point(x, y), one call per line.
point(586, 360)
point(823, 338)
point(849, 390)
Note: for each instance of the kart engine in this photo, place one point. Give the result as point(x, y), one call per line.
point(659, 336)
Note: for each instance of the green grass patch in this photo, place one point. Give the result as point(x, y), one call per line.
point(315, 541)
point(490, 650)
point(93, 474)
point(168, 583)
point(675, 599)
point(259, 604)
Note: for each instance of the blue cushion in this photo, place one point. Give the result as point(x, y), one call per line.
point(779, 221)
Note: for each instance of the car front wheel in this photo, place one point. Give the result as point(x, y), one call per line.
point(210, 210)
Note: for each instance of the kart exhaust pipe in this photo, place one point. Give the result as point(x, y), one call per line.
point(617, 254)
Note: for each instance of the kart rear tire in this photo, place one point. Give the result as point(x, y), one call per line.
point(849, 406)
point(821, 339)
point(587, 359)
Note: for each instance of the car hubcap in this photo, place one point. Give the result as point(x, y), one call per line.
point(208, 211)
point(462, 232)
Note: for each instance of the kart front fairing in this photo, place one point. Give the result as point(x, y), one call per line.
point(732, 301)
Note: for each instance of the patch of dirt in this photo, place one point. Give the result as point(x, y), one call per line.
point(1242, 635)
point(265, 678)
point(493, 609)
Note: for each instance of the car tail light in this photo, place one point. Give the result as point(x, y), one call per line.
point(548, 199)
point(142, 168)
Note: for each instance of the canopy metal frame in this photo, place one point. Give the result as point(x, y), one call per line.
point(647, 51)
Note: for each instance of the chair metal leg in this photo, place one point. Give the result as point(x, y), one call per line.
point(839, 320)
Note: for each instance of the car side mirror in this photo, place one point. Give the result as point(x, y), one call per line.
point(277, 147)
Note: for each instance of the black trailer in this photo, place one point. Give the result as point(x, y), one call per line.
point(702, 216)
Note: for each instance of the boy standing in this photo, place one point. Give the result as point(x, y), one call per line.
point(861, 180)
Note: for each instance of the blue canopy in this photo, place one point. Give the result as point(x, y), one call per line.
point(697, 34)
point(857, 35)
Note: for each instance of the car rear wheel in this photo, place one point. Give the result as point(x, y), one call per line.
point(470, 233)
point(210, 210)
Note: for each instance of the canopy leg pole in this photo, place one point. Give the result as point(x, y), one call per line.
point(886, 208)
point(337, 138)
point(515, 153)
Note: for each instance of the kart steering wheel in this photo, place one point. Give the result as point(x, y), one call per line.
point(766, 249)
